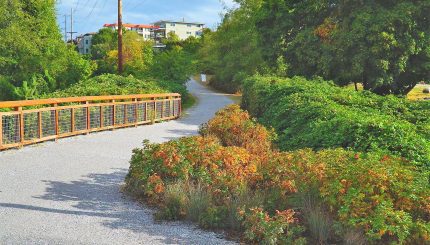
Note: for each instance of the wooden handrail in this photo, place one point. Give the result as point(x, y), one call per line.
point(52, 101)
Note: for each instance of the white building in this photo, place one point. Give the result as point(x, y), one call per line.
point(183, 29)
point(84, 43)
point(145, 31)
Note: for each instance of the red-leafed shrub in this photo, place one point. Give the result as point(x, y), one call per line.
point(231, 177)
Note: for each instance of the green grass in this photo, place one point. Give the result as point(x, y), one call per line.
point(189, 102)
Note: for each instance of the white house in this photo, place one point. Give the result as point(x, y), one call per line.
point(142, 29)
point(84, 43)
point(183, 29)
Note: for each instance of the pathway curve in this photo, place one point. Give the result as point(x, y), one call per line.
point(67, 192)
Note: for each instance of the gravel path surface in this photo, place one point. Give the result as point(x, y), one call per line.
point(67, 192)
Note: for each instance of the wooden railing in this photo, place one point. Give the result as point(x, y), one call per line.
point(33, 121)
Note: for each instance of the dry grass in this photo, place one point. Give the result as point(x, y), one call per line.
point(415, 94)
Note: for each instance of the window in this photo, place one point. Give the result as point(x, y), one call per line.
point(188, 32)
point(86, 41)
point(172, 24)
point(189, 25)
point(87, 51)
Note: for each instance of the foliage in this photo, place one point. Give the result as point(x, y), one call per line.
point(110, 84)
point(319, 115)
point(234, 127)
point(232, 52)
point(383, 44)
point(388, 203)
point(279, 229)
point(138, 54)
point(173, 65)
point(31, 46)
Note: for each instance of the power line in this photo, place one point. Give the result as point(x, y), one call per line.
point(139, 3)
point(92, 10)
point(77, 4)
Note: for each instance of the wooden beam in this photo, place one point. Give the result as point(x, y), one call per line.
point(24, 103)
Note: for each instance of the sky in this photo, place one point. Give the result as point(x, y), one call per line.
point(90, 15)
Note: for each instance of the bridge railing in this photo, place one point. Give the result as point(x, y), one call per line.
point(34, 121)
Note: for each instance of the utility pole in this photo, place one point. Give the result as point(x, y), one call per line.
point(71, 26)
point(120, 55)
point(65, 28)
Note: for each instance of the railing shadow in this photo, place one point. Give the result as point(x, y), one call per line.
point(99, 195)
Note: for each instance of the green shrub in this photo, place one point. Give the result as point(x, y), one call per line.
point(318, 115)
point(272, 197)
point(110, 84)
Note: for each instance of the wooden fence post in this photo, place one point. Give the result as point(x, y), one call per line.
point(21, 126)
point(101, 116)
point(155, 109)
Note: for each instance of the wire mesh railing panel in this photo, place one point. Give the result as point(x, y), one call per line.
point(65, 121)
point(141, 112)
point(166, 109)
point(119, 114)
point(48, 123)
point(172, 110)
point(176, 105)
point(95, 117)
point(80, 119)
point(150, 111)
point(31, 126)
point(107, 115)
point(11, 129)
point(159, 105)
point(131, 113)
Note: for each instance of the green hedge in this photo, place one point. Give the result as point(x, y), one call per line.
point(318, 114)
point(109, 84)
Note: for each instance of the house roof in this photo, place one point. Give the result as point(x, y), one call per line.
point(178, 22)
point(132, 25)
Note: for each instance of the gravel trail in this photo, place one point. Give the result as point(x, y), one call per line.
point(67, 192)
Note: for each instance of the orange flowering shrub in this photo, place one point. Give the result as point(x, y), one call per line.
point(281, 228)
point(234, 127)
point(385, 198)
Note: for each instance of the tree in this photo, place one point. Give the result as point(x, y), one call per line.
point(138, 53)
point(232, 52)
point(31, 45)
point(384, 44)
point(173, 65)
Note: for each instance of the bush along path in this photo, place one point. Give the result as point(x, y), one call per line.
point(68, 192)
point(233, 177)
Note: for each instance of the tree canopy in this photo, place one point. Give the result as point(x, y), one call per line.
point(384, 44)
point(232, 52)
point(32, 53)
